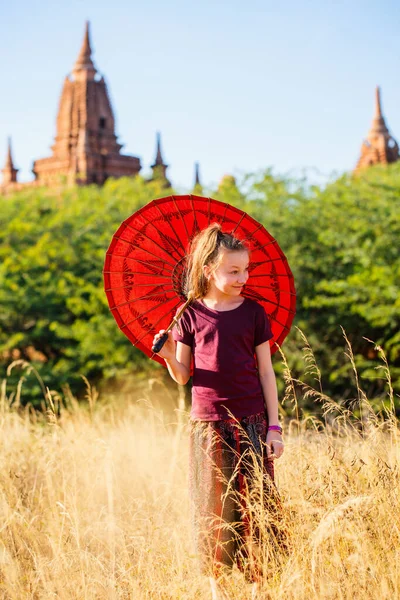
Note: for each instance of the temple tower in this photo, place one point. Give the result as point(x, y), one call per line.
point(197, 188)
point(85, 148)
point(9, 171)
point(379, 147)
point(159, 167)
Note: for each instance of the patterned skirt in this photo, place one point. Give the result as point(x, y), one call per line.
point(234, 501)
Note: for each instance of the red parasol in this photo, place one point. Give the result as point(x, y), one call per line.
point(145, 264)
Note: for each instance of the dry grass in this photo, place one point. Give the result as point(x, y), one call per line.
point(94, 504)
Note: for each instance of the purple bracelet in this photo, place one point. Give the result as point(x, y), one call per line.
point(275, 428)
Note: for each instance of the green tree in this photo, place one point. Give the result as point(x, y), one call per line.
point(341, 240)
point(53, 307)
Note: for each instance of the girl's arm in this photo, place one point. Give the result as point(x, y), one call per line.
point(270, 393)
point(268, 382)
point(177, 357)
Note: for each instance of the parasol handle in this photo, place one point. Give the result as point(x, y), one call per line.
point(161, 341)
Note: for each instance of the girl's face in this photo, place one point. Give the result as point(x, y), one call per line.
point(231, 274)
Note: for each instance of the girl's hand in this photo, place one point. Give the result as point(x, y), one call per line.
point(169, 348)
point(275, 445)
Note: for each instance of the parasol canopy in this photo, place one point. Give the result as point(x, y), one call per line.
point(145, 266)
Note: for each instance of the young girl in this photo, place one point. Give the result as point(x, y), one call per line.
point(234, 411)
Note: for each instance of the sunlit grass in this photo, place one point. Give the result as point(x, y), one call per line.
point(94, 502)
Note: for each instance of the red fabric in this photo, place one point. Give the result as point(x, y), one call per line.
point(146, 258)
point(225, 376)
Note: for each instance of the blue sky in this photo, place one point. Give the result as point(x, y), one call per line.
point(237, 86)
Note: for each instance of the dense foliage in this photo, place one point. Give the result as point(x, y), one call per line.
point(342, 242)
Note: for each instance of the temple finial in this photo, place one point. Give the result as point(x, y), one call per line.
point(84, 62)
point(86, 50)
point(159, 159)
point(9, 171)
point(197, 188)
point(159, 167)
point(9, 160)
point(378, 107)
point(197, 174)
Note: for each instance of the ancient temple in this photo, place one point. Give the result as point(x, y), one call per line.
point(9, 171)
point(379, 147)
point(197, 188)
point(85, 149)
point(159, 167)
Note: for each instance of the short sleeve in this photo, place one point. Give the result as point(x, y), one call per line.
point(263, 331)
point(183, 332)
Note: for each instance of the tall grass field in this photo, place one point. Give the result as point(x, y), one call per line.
point(94, 499)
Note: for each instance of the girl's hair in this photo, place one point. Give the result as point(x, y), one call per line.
point(205, 249)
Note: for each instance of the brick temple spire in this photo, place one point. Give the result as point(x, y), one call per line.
point(159, 162)
point(197, 174)
point(85, 149)
point(9, 171)
point(197, 188)
point(378, 108)
point(84, 66)
point(159, 167)
point(379, 147)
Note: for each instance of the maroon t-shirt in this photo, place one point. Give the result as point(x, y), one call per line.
point(225, 376)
